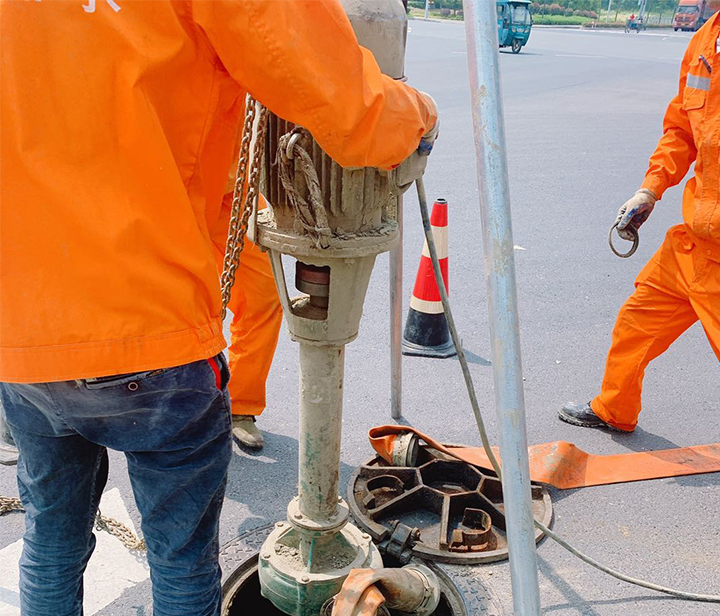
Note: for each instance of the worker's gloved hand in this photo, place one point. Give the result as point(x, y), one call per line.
point(413, 167)
point(634, 212)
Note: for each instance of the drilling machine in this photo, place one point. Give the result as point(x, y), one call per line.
point(333, 222)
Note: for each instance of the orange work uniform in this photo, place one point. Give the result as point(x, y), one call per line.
point(681, 283)
point(254, 330)
point(117, 124)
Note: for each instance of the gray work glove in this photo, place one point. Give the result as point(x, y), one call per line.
point(413, 167)
point(634, 212)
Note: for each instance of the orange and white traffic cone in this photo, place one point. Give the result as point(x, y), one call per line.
point(426, 330)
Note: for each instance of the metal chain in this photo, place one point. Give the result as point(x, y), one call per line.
point(245, 194)
point(233, 228)
point(9, 504)
point(117, 529)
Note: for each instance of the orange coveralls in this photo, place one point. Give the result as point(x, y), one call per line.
point(256, 317)
point(681, 283)
point(117, 133)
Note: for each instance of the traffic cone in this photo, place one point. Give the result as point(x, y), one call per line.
point(426, 330)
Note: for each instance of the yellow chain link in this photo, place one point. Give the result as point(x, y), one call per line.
point(9, 504)
point(129, 539)
point(245, 195)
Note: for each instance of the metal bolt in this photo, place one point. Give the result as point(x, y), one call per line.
point(298, 516)
point(266, 555)
point(305, 579)
point(365, 536)
point(279, 524)
point(340, 500)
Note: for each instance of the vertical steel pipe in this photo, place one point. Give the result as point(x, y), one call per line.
point(489, 130)
point(322, 369)
point(396, 319)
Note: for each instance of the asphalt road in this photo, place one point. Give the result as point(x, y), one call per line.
point(583, 112)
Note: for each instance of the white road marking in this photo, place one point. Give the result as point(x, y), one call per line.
point(111, 570)
point(255, 458)
point(622, 32)
point(9, 591)
point(575, 55)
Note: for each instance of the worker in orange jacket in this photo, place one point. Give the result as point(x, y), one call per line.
point(681, 283)
point(117, 132)
point(254, 328)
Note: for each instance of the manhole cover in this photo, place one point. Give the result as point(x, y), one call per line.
point(442, 509)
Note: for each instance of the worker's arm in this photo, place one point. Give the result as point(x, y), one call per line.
point(676, 149)
point(300, 58)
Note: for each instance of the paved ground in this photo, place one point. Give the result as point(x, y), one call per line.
point(583, 112)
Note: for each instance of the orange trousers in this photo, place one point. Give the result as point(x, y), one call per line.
point(257, 315)
point(678, 286)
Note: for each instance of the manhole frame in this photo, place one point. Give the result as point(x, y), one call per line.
point(471, 594)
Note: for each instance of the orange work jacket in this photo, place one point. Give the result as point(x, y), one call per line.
point(117, 122)
point(691, 133)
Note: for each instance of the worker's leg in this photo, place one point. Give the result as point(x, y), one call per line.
point(257, 316)
point(705, 299)
point(174, 426)
point(61, 476)
point(178, 474)
point(648, 323)
point(8, 450)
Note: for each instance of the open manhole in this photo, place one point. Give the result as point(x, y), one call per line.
point(241, 584)
point(441, 509)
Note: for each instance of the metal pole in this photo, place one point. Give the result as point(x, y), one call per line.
point(489, 129)
point(321, 374)
point(427, 9)
point(396, 317)
point(607, 17)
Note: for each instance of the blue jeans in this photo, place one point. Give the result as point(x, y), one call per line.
point(174, 426)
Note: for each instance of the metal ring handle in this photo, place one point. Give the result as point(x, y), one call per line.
point(290, 150)
point(636, 241)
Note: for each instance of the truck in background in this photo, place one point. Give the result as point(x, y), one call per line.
point(690, 15)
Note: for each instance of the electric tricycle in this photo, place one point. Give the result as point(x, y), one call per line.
point(514, 23)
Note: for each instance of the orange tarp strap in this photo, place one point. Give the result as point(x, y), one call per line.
point(564, 466)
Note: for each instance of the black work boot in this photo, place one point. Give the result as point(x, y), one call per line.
point(581, 415)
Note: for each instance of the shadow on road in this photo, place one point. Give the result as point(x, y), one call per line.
point(473, 359)
point(642, 440)
point(576, 604)
point(264, 482)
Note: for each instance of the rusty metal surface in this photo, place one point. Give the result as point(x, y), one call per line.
point(464, 591)
point(339, 187)
point(455, 510)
